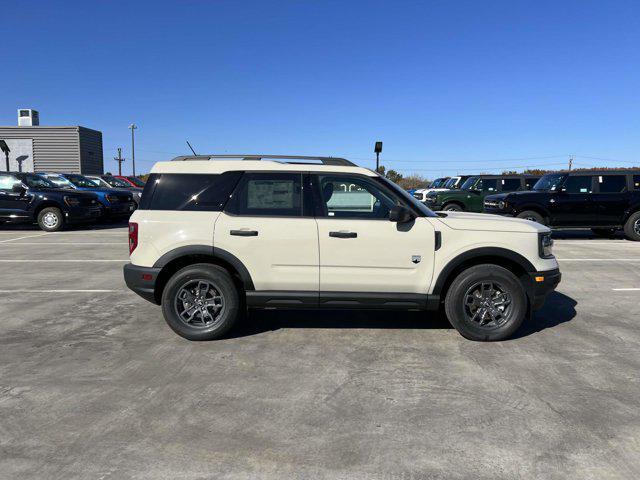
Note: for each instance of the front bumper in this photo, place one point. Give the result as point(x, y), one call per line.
point(120, 209)
point(82, 214)
point(543, 283)
point(142, 280)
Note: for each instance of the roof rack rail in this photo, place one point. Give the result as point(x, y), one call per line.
point(282, 158)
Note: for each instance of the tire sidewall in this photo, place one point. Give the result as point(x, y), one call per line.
point(57, 212)
point(452, 207)
point(530, 213)
point(222, 281)
point(454, 302)
point(628, 227)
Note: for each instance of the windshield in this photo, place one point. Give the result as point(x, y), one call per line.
point(81, 181)
point(451, 182)
point(136, 181)
point(116, 182)
point(469, 183)
point(549, 182)
point(100, 182)
point(36, 181)
point(438, 182)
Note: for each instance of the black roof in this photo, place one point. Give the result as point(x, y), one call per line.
point(281, 158)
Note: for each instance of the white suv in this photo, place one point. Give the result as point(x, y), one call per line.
point(215, 235)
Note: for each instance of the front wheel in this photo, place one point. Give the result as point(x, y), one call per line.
point(50, 219)
point(200, 302)
point(486, 303)
point(532, 216)
point(452, 207)
point(632, 227)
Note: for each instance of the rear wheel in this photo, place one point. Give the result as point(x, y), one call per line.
point(200, 302)
point(532, 216)
point(486, 303)
point(452, 207)
point(632, 227)
point(50, 219)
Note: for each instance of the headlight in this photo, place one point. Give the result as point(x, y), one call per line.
point(71, 201)
point(111, 198)
point(545, 245)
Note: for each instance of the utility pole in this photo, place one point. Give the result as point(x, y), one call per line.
point(119, 159)
point(570, 161)
point(133, 148)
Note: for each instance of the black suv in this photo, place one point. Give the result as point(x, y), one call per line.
point(27, 197)
point(604, 201)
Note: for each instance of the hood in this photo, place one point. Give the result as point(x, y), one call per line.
point(484, 221)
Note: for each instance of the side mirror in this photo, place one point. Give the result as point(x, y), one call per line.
point(19, 189)
point(400, 214)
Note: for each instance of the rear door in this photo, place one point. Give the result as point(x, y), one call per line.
point(610, 199)
point(510, 184)
point(360, 249)
point(12, 203)
point(571, 206)
point(268, 224)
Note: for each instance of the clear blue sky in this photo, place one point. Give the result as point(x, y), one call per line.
point(449, 86)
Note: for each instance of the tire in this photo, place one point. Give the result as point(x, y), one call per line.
point(182, 288)
point(50, 219)
point(452, 207)
point(604, 232)
point(468, 318)
point(632, 227)
point(532, 216)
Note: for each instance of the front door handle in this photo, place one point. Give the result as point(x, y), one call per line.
point(244, 233)
point(343, 234)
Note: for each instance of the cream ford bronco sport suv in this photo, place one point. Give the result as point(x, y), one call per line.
point(214, 235)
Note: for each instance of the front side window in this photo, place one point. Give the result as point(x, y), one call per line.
point(345, 196)
point(191, 192)
point(530, 182)
point(577, 184)
point(36, 181)
point(267, 194)
point(612, 183)
point(510, 184)
point(488, 185)
point(116, 182)
point(81, 181)
point(438, 182)
point(469, 183)
point(451, 183)
point(549, 183)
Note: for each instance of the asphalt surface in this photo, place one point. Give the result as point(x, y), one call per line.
point(94, 385)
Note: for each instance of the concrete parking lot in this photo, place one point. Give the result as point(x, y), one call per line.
point(94, 385)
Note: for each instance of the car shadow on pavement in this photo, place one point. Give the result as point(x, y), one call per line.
point(558, 309)
point(82, 227)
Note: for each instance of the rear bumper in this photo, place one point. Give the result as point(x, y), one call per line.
point(543, 283)
point(142, 280)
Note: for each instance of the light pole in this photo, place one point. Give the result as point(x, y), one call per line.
point(133, 148)
point(378, 149)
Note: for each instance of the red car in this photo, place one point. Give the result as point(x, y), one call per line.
point(131, 180)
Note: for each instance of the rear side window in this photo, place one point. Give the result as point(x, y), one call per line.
point(187, 191)
point(577, 184)
point(510, 184)
point(612, 183)
point(490, 184)
point(267, 194)
point(636, 182)
point(7, 182)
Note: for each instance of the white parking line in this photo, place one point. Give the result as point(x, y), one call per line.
point(626, 289)
point(598, 259)
point(58, 291)
point(20, 238)
point(62, 261)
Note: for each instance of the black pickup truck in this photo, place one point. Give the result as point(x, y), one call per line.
point(604, 201)
point(27, 197)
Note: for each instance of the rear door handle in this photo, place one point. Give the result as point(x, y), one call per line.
point(244, 233)
point(343, 234)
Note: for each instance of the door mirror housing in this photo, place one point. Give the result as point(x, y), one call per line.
point(19, 189)
point(401, 214)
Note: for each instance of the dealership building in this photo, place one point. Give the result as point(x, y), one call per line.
point(35, 148)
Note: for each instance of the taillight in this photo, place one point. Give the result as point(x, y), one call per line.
point(133, 237)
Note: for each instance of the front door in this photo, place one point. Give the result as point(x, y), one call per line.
point(571, 206)
point(610, 199)
point(266, 226)
point(361, 250)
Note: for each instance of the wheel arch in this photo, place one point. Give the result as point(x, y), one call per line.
point(46, 204)
point(174, 260)
point(503, 257)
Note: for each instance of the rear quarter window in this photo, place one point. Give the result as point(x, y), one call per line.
point(188, 191)
point(636, 182)
point(612, 183)
point(510, 184)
